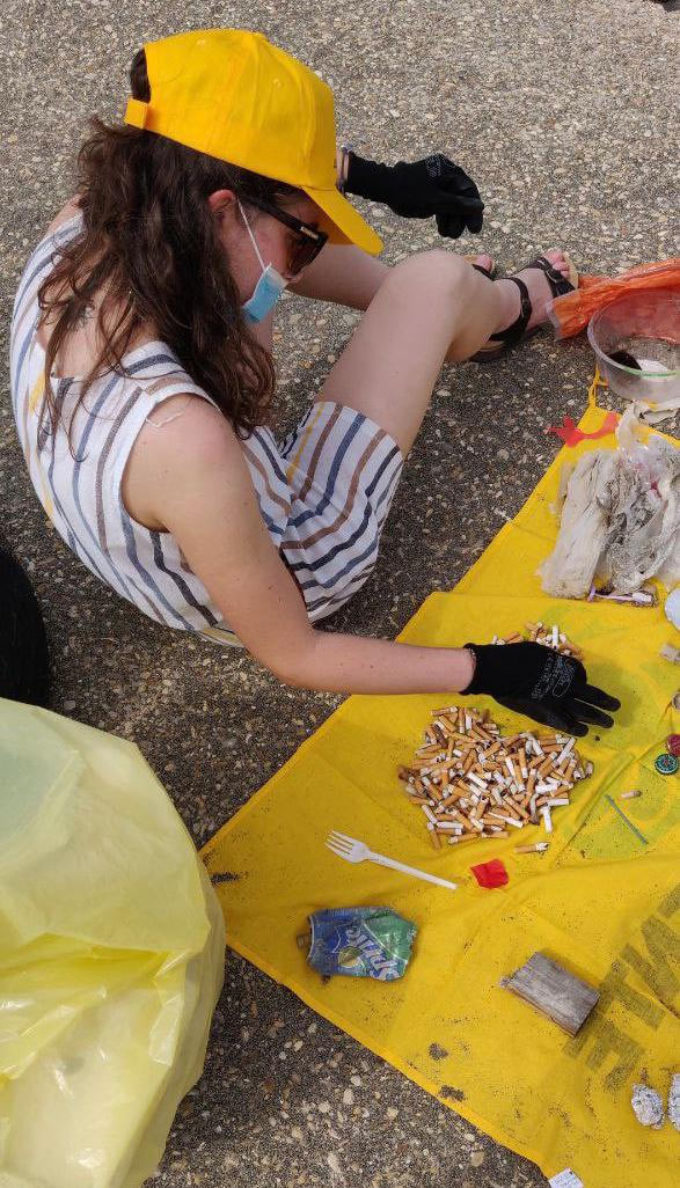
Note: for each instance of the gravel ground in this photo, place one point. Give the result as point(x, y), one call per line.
point(565, 115)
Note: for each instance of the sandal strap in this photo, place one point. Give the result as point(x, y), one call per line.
point(512, 335)
point(557, 282)
point(558, 285)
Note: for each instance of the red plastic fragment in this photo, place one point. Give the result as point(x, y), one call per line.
point(490, 874)
point(673, 745)
point(571, 434)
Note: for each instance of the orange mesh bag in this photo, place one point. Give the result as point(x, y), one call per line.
point(571, 313)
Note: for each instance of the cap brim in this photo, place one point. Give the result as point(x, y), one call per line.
point(343, 223)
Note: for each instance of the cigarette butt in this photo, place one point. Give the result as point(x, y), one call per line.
point(630, 795)
point(547, 819)
point(514, 822)
point(436, 839)
point(564, 752)
point(537, 848)
point(450, 799)
point(456, 841)
point(519, 808)
point(494, 836)
point(480, 733)
point(476, 781)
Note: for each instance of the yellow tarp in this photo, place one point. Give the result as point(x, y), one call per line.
point(600, 902)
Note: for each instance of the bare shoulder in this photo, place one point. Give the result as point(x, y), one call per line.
point(66, 213)
point(185, 444)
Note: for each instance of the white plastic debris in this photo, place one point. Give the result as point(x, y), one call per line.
point(621, 518)
point(674, 1101)
point(672, 607)
point(647, 1106)
point(566, 1179)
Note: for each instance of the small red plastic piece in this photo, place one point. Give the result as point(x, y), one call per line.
point(571, 434)
point(490, 874)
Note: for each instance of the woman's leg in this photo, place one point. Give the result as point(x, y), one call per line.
point(431, 307)
point(348, 276)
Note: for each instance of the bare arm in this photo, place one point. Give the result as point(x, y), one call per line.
point(204, 496)
point(343, 274)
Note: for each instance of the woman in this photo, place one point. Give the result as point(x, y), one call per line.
point(148, 308)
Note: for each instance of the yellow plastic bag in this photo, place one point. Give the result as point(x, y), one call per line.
point(111, 957)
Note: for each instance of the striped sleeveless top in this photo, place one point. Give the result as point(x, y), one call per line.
point(80, 487)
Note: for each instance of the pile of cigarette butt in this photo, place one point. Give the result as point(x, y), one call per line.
point(550, 637)
point(471, 782)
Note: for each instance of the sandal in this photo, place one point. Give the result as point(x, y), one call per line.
point(517, 332)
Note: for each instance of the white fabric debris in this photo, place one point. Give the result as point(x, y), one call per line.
point(647, 1106)
point(620, 520)
point(674, 1101)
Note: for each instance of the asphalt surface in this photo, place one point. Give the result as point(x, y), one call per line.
point(566, 116)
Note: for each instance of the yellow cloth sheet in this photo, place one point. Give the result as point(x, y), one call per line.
point(599, 902)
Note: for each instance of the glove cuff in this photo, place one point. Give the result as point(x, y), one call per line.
point(367, 179)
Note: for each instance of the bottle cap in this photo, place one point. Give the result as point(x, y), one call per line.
point(666, 764)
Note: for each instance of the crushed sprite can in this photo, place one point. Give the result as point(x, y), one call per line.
point(360, 942)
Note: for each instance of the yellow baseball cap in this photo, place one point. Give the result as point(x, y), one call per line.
point(232, 94)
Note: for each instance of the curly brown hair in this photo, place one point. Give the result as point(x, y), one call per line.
point(149, 242)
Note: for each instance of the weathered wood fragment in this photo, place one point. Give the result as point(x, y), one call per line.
point(554, 991)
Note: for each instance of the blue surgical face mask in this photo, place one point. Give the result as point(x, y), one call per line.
point(268, 289)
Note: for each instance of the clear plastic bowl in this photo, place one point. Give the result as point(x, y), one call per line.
point(647, 326)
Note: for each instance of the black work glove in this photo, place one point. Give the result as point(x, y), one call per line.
point(433, 186)
point(534, 680)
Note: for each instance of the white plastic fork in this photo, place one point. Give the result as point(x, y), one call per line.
point(356, 851)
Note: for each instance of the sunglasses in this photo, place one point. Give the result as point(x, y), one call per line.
point(309, 242)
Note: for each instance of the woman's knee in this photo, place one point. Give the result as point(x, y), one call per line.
point(437, 270)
